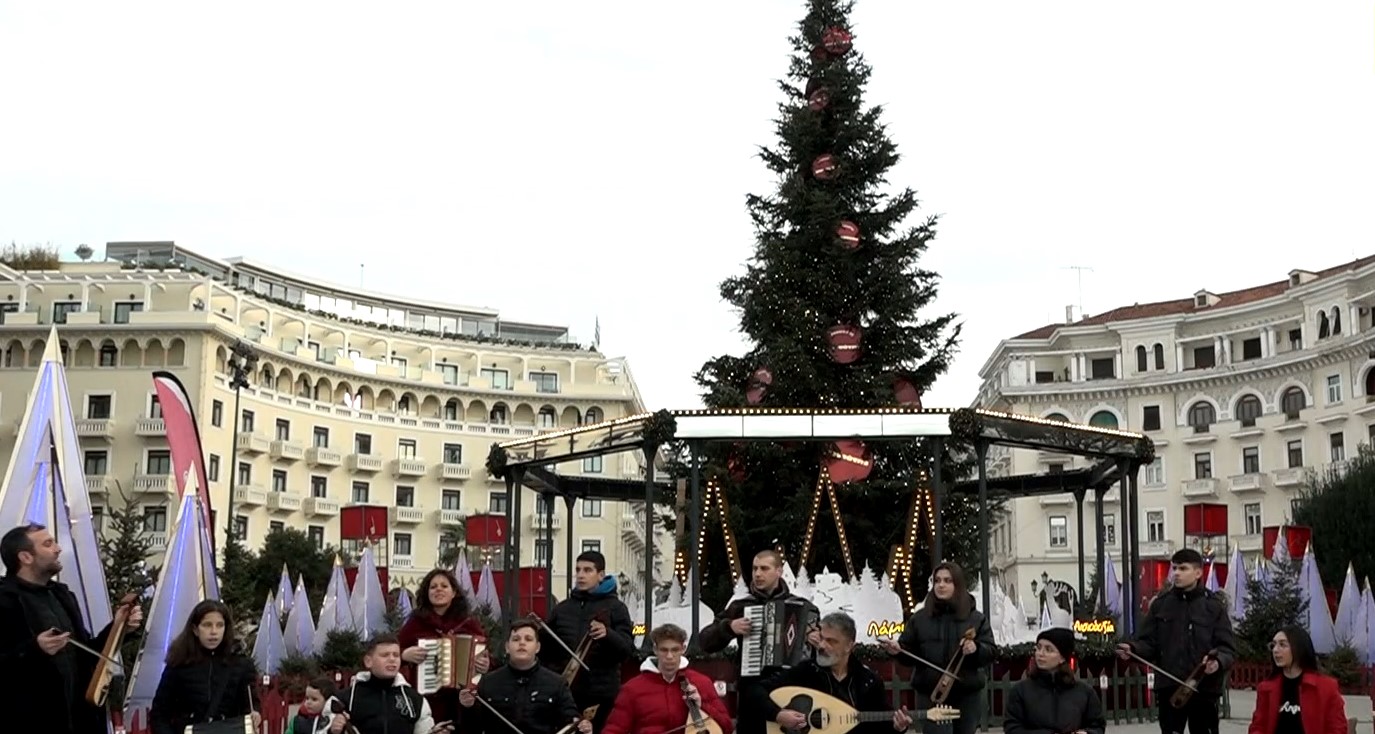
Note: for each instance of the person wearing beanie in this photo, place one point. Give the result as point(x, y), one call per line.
point(1183, 628)
point(936, 633)
point(1049, 699)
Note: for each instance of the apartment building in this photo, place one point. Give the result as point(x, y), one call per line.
point(355, 398)
point(1242, 392)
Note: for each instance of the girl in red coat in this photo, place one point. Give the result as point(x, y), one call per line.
point(440, 609)
point(1296, 698)
point(655, 701)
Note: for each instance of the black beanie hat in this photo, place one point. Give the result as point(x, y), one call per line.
point(1061, 638)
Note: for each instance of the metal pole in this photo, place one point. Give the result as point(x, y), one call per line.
point(937, 498)
point(1103, 601)
point(549, 549)
point(650, 453)
point(568, 501)
point(1133, 576)
point(694, 542)
point(1079, 517)
point(233, 463)
point(981, 451)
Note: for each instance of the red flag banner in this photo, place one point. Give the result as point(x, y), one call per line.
point(184, 440)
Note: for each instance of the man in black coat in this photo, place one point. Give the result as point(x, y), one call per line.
point(595, 611)
point(835, 672)
point(1184, 627)
point(41, 675)
point(525, 694)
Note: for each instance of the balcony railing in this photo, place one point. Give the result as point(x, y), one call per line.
point(287, 451)
point(1290, 477)
point(454, 471)
point(538, 521)
point(252, 443)
point(408, 467)
point(408, 515)
point(98, 484)
point(93, 428)
point(250, 496)
point(153, 483)
point(1252, 482)
point(364, 462)
point(451, 517)
point(150, 427)
point(320, 456)
point(283, 501)
point(320, 507)
point(1200, 487)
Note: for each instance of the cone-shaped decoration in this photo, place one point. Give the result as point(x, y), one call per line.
point(486, 597)
point(285, 594)
point(464, 574)
point(1281, 552)
point(1367, 651)
point(299, 638)
point(1319, 615)
point(1348, 607)
point(268, 648)
point(367, 603)
point(1235, 588)
point(404, 605)
point(44, 483)
point(1112, 588)
point(335, 612)
point(1210, 583)
point(182, 584)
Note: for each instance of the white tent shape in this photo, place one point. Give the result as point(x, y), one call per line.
point(366, 601)
point(1348, 607)
point(1235, 588)
point(268, 648)
point(1318, 618)
point(336, 612)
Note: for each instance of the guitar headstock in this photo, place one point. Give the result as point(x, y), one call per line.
point(941, 714)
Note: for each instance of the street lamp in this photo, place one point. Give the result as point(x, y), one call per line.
point(242, 362)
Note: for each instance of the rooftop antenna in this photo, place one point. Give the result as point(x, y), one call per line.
point(360, 275)
point(1079, 270)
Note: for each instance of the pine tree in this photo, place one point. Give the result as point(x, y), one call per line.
point(1327, 504)
point(1270, 608)
point(124, 549)
point(835, 256)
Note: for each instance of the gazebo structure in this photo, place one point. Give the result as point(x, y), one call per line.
point(1118, 457)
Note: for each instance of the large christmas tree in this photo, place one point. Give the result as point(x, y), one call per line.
point(832, 300)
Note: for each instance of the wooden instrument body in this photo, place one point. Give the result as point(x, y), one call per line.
point(99, 687)
point(947, 681)
point(1182, 694)
point(827, 714)
point(450, 662)
point(570, 670)
point(697, 722)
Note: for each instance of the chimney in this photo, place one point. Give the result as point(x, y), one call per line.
point(1069, 314)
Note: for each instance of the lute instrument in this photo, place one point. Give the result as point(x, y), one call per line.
point(952, 670)
point(588, 714)
point(827, 714)
point(1189, 686)
point(697, 722)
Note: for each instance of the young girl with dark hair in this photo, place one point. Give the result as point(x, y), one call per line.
point(205, 679)
point(1297, 698)
point(937, 633)
point(1050, 698)
point(441, 608)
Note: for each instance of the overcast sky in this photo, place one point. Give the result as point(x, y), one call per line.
point(566, 161)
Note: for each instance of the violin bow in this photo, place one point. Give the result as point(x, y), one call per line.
point(1161, 671)
point(536, 619)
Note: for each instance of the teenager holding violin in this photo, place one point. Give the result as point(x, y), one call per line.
point(441, 609)
point(1297, 698)
point(946, 627)
point(40, 673)
point(1185, 629)
point(206, 678)
point(1050, 699)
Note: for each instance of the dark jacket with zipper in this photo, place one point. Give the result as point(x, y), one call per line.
point(862, 689)
point(570, 620)
point(1179, 628)
point(935, 633)
point(185, 692)
point(537, 701)
point(1052, 703)
point(716, 636)
point(386, 706)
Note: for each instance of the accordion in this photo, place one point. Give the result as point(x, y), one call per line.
point(450, 662)
point(233, 725)
point(777, 637)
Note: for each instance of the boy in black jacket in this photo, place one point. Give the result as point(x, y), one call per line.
point(835, 672)
point(533, 698)
point(1184, 627)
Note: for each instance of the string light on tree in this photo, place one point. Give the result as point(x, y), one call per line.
point(812, 518)
point(840, 527)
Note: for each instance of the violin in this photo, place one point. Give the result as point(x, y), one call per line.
point(952, 670)
point(1182, 694)
point(99, 687)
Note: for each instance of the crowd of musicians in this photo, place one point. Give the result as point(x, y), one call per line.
point(563, 674)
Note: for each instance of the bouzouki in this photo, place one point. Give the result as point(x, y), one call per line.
point(1186, 691)
point(827, 714)
point(99, 687)
point(588, 714)
point(697, 722)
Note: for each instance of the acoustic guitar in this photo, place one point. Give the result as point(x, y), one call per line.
point(827, 714)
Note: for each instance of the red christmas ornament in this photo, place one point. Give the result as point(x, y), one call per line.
point(849, 461)
point(819, 53)
point(844, 343)
point(825, 167)
point(818, 100)
point(837, 40)
point(735, 467)
point(759, 385)
point(847, 234)
point(906, 393)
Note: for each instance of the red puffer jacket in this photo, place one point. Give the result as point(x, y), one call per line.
point(648, 704)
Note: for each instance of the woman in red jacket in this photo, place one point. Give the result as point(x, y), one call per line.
point(441, 609)
point(655, 701)
point(1296, 698)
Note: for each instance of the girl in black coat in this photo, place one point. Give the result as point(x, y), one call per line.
point(205, 679)
point(1050, 700)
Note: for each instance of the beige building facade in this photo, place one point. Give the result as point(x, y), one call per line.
point(1244, 393)
point(355, 398)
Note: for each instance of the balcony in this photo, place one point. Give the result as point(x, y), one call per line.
point(370, 463)
point(407, 515)
point(150, 427)
point(287, 451)
point(1157, 549)
point(252, 443)
point(250, 496)
point(153, 483)
point(401, 562)
point(94, 428)
point(321, 456)
point(411, 467)
point(1200, 487)
point(538, 521)
point(454, 471)
point(98, 484)
point(450, 517)
point(320, 507)
point(1244, 483)
point(632, 532)
point(283, 501)
point(157, 541)
point(1250, 543)
point(1291, 477)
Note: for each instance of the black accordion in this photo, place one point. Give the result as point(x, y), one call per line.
point(777, 636)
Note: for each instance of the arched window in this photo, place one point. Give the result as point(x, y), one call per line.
point(1104, 419)
point(1336, 321)
point(1057, 417)
point(1292, 402)
point(547, 418)
point(1159, 350)
point(1248, 410)
point(1202, 416)
point(1141, 364)
point(1323, 327)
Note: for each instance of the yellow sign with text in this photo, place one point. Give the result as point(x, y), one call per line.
point(885, 628)
point(638, 630)
point(1095, 627)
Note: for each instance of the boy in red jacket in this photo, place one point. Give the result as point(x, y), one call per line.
point(656, 700)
